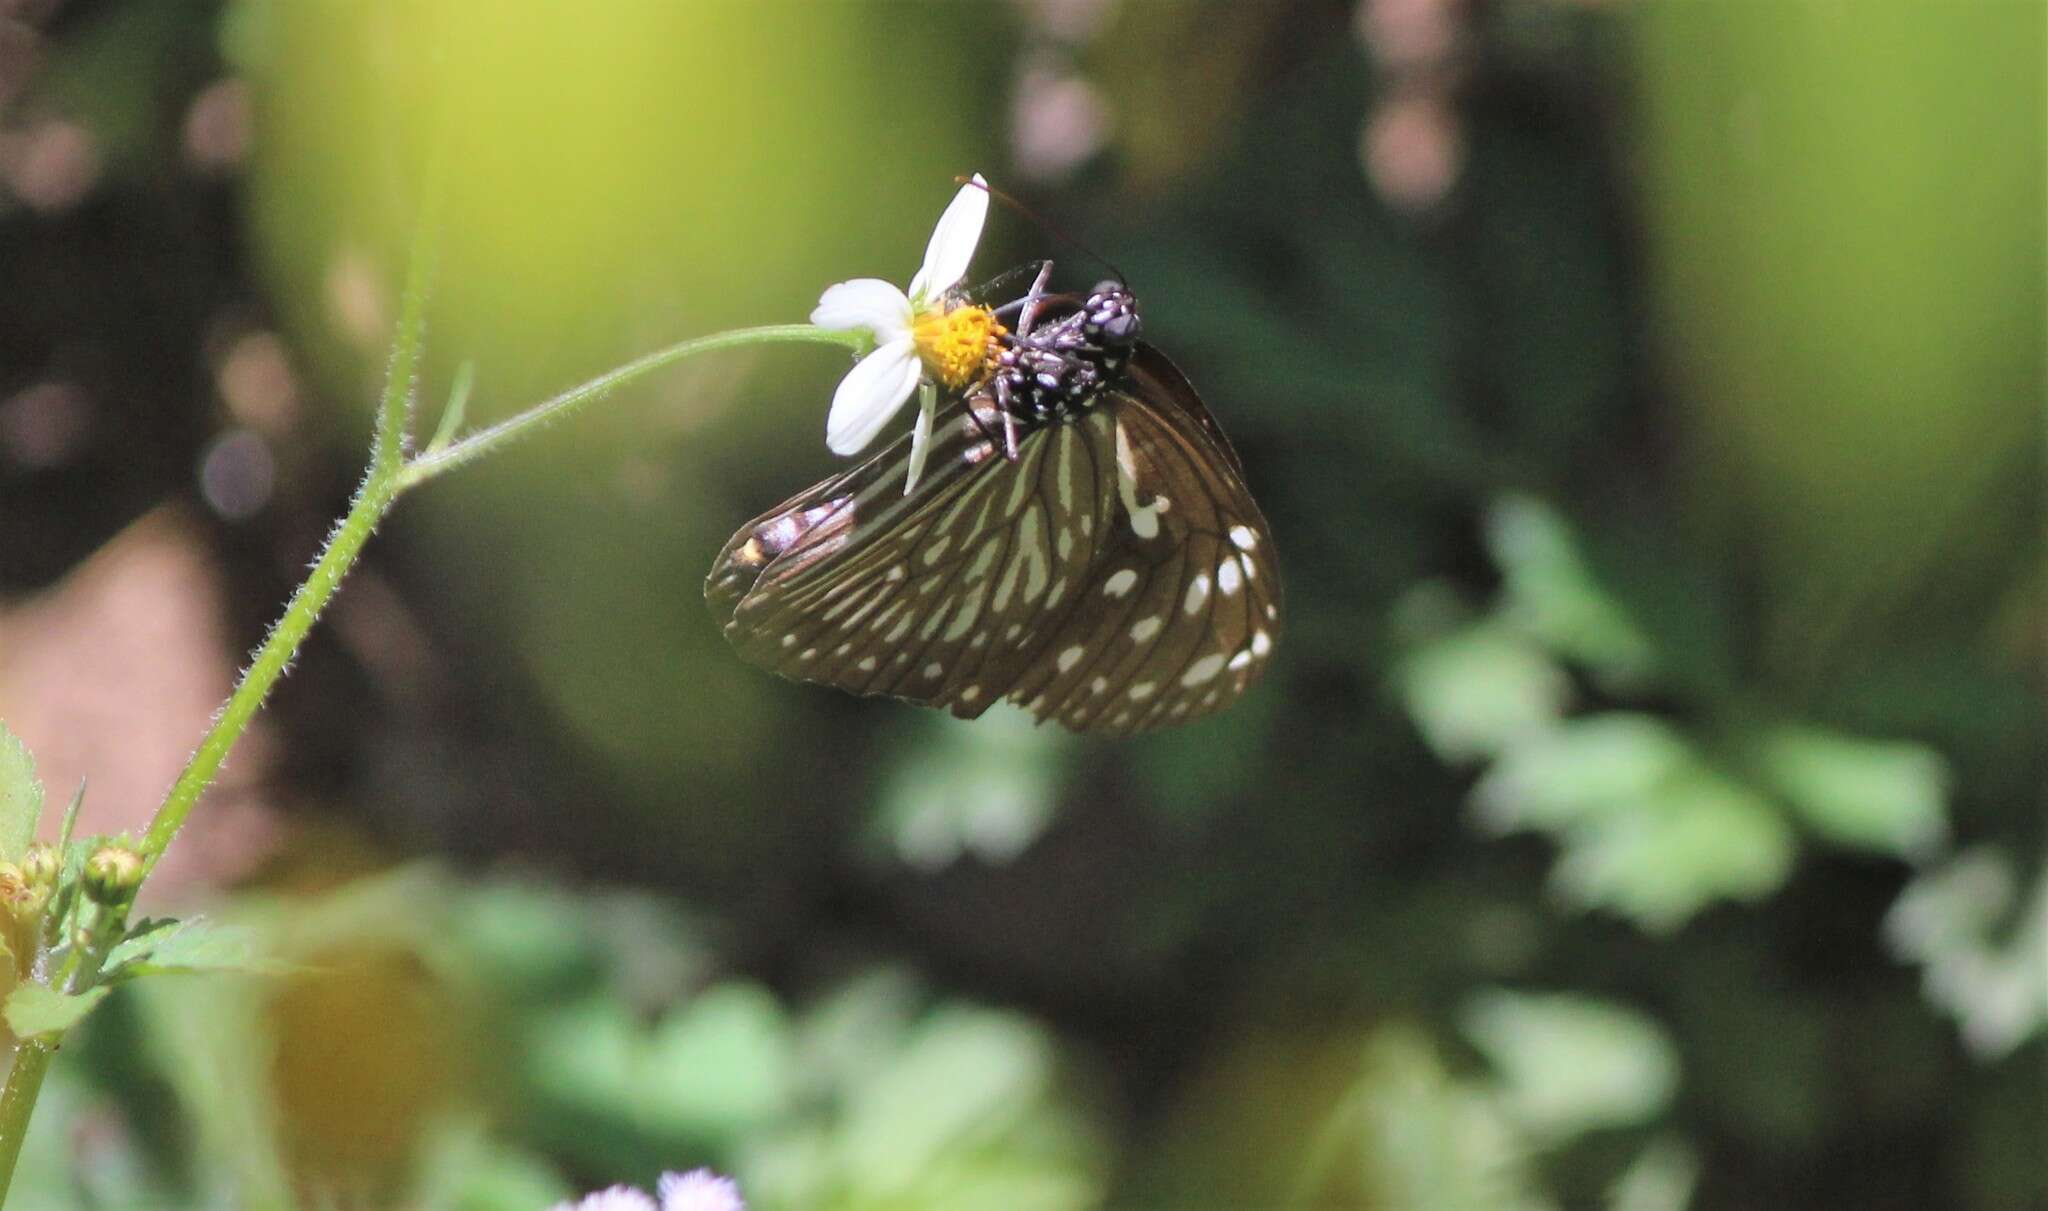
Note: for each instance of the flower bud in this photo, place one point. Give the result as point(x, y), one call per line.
point(112, 873)
point(15, 893)
point(39, 866)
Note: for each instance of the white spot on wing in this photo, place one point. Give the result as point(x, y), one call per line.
point(933, 669)
point(1242, 538)
point(1145, 628)
point(1198, 592)
point(1203, 670)
point(1145, 519)
point(866, 665)
point(1142, 690)
point(1120, 583)
point(979, 568)
point(1261, 643)
point(1071, 657)
point(1227, 577)
point(969, 611)
point(970, 693)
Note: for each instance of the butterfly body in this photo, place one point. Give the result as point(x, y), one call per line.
point(1080, 543)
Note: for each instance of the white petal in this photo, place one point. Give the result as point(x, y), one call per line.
point(869, 303)
point(921, 435)
point(953, 241)
point(869, 395)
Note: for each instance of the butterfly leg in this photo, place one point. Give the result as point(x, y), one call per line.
point(1009, 420)
point(1032, 299)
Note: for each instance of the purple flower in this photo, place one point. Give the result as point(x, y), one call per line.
point(697, 1190)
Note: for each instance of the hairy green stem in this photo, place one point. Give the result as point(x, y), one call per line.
point(482, 442)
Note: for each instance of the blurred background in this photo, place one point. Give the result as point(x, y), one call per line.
point(1645, 810)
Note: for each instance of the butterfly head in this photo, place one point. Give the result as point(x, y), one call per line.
point(1110, 317)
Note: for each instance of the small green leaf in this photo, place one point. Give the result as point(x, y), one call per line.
point(34, 1009)
point(1699, 837)
point(986, 789)
point(719, 1067)
point(1553, 591)
point(1586, 767)
point(1477, 691)
point(21, 796)
point(1569, 1063)
point(1888, 797)
point(160, 946)
point(458, 404)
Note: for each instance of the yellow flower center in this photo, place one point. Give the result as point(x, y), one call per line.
point(958, 346)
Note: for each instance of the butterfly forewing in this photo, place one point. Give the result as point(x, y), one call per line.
point(940, 596)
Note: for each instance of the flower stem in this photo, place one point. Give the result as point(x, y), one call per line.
point(482, 442)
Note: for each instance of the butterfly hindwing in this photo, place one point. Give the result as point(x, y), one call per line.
point(1182, 606)
point(941, 596)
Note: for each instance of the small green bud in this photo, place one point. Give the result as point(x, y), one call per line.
point(16, 894)
point(112, 873)
point(39, 866)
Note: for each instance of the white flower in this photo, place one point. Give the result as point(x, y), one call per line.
point(697, 1190)
point(914, 332)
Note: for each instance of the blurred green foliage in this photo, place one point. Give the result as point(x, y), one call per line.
point(1643, 812)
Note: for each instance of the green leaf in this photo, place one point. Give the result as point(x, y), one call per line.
point(1477, 691)
point(1877, 795)
point(1582, 768)
point(161, 946)
point(986, 788)
point(1698, 837)
point(1426, 1139)
point(1552, 591)
point(21, 796)
point(719, 1067)
point(1569, 1063)
point(34, 1009)
point(1661, 1178)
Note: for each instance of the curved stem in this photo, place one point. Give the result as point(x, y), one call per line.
point(482, 442)
point(380, 488)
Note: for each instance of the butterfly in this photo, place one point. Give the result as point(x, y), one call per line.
point(1080, 543)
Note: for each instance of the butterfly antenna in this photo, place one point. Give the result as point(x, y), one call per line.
point(1051, 228)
